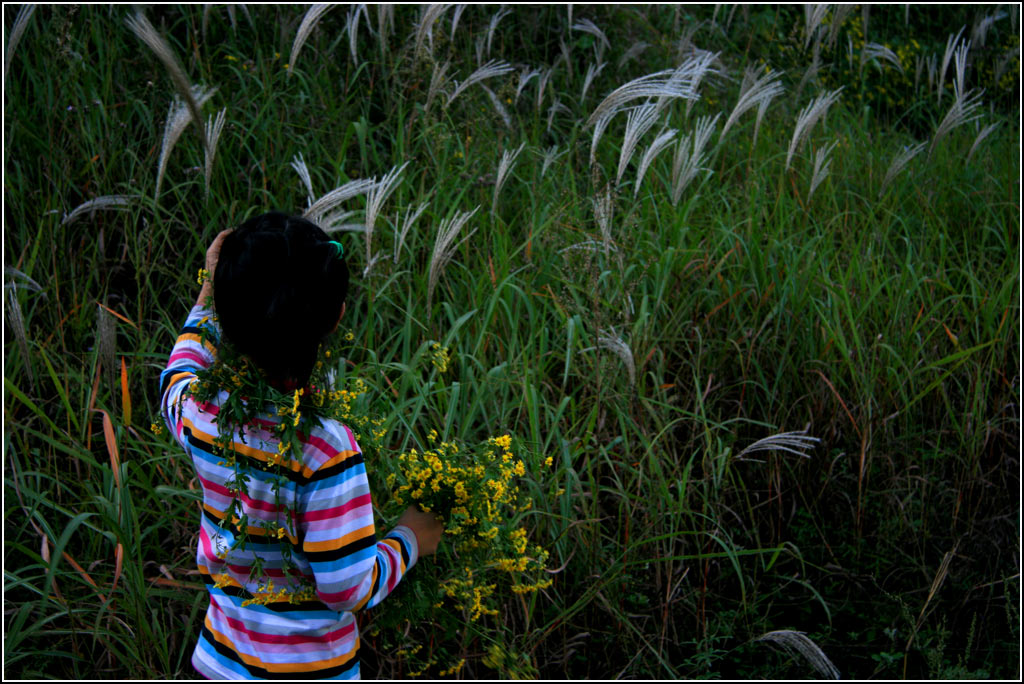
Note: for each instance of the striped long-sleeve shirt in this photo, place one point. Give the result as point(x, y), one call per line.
point(330, 535)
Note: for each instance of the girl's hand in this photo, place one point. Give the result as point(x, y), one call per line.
point(213, 251)
point(425, 526)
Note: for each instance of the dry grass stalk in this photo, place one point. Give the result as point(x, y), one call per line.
point(145, 32)
point(438, 80)
point(754, 91)
point(660, 143)
point(327, 203)
point(508, 160)
point(821, 164)
point(808, 117)
point(407, 222)
point(960, 72)
point(178, 118)
point(352, 26)
point(444, 248)
point(797, 643)
point(985, 132)
point(385, 23)
point(542, 85)
point(106, 341)
point(214, 126)
point(839, 15)
point(490, 70)
point(610, 340)
point(689, 158)
point(375, 199)
point(982, 26)
point(20, 280)
point(813, 16)
point(498, 16)
point(638, 122)
point(299, 164)
point(795, 442)
point(556, 108)
point(106, 202)
point(898, 164)
point(17, 30)
point(309, 22)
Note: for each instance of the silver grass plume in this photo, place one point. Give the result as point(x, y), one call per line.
point(334, 198)
point(550, 155)
point(689, 156)
point(603, 207)
point(20, 24)
point(610, 340)
point(16, 322)
point(808, 117)
point(660, 143)
point(587, 26)
point(565, 57)
point(951, 42)
point(309, 22)
point(813, 16)
point(555, 108)
point(299, 164)
point(524, 77)
point(981, 28)
point(498, 16)
point(498, 106)
point(105, 202)
point(821, 164)
point(508, 160)
point(490, 70)
point(19, 279)
point(214, 126)
point(797, 643)
point(981, 136)
point(1004, 63)
point(758, 92)
point(375, 199)
point(796, 442)
point(407, 222)
point(960, 64)
point(425, 28)
point(385, 23)
point(898, 164)
point(873, 51)
point(456, 15)
point(542, 85)
point(444, 248)
point(352, 26)
point(632, 53)
point(592, 71)
point(964, 110)
point(839, 15)
point(178, 118)
point(145, 32)
point(438, 80)
point(638, 122)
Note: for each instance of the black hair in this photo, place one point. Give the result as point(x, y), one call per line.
point(279, 288)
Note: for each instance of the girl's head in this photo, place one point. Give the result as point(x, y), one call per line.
point(279, 289)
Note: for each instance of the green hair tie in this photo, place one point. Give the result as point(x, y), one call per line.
point(341, 248)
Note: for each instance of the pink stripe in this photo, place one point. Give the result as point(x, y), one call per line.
point(291, 639)
point(337, 511)
point(189, 355)
point(257, 504)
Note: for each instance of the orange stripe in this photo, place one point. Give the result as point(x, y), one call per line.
point(334, 544)
point(192, 337)
point(243, 449)
point(283, 667)
point(369, 594)
point(339, 458)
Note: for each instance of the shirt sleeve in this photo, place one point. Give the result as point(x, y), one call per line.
point(352, 569)
point(194, 350)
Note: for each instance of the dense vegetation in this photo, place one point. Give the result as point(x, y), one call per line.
point(641, 296)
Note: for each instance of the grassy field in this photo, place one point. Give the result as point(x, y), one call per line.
point(799, 221)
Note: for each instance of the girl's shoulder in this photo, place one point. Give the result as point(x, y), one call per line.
point(329, 442)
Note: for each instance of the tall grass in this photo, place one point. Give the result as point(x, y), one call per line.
point(667, 349)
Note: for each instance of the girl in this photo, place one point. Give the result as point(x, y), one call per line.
point(287, 544)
